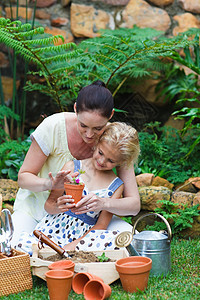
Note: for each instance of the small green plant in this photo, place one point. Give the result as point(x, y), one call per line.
point(179, 218)
point(103, 257)
point(77, 180)
point(127, 219)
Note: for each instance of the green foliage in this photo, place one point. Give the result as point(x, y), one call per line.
point(184, 89)
point(127, 219)
point(179, 218)
point(103, 257)
point(52, 61)
point(5, 114)
point(12, 153)
point(164, 153)
point(119, 56)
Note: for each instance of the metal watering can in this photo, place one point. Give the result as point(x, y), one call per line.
point(152, 244)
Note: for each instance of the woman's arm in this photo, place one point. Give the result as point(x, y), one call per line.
point(128, 205)
point(33, 163)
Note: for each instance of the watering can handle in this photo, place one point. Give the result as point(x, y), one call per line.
point(158, 215)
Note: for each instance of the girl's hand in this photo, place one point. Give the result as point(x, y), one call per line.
point(71, 246)
point(91, 202)
point(65, 202)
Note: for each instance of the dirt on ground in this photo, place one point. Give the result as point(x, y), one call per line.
point(75, 256)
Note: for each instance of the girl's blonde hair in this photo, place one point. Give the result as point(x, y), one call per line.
point(125, 138)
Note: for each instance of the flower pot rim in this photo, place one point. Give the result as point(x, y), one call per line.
point(65, 263)
point(74, 184)
point(128, 269)
point(60, 274)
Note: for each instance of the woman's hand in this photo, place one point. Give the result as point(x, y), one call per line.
point(57, 182)
point(91, 202)
point(64, 203)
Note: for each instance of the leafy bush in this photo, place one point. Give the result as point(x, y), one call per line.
point(179, 218)
point(164, 153)
point(12, 153)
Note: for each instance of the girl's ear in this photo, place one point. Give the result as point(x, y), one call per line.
point(112, 113)
point(75, 108)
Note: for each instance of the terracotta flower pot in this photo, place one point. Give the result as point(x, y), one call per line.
point(59, 284)
point(80, 280)
point(96, 289)
point(62, 265)
point(134, 272)
point(75, 190)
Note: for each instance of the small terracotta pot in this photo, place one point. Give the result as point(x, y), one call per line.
point(75, 190)
point(96, 289)
point(62, 265)
point(59, 284)
point(80, 280)
point(134, 272)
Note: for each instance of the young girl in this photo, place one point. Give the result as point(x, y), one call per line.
point(118, 146)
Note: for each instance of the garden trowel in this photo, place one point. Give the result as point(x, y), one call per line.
point(44, 239)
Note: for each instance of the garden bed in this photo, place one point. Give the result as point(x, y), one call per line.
point(84, 262)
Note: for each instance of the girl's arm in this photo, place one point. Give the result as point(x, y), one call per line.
point(128, 205)
point(102, 222)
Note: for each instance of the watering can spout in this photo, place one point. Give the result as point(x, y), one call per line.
point(124, 239)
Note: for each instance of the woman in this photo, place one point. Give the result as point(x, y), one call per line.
point(59, 138)
point(117, 146)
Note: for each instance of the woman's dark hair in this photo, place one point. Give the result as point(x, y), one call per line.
point(95, 97)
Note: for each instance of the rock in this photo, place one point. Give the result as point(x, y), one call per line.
point(23, 2)
point(187, 187)
point(86, 21)
point(7, 84)
point(8, 189)
point(183, 198)
point(144, 179)
point(149, 195)
point(147, 90)
point(4, 62)
point(59, 22)
point(158, 181)
point(175, 123)
point(21, 12)
point(195, 181)
point(1, 202)
point(42, 14)
point(45, 3)
point(113, 2)
point(161, 3)
point(194, 231)
point(185, 22)
point(65, 2)
point(196, 200)
point(192, 6)
point(140, 13)
point(57, 31)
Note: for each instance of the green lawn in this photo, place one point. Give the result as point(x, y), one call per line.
point(182, 283)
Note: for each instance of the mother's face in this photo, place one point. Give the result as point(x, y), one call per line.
point(90, 125)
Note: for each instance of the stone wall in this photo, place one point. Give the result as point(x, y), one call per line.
point(81, 19)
